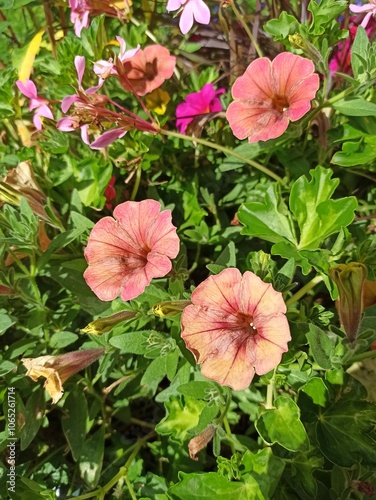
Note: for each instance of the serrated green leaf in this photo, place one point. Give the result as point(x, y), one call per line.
point(282, 425)
point(346, 433)
point(270, 221)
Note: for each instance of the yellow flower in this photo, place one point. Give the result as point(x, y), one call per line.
point(57, 369)
point(157, 101)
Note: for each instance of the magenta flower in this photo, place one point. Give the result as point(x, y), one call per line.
point(192, 10)
point(198, 103)
point(124, 254)
point(368, 8)
point(270, 94)
point(40, 105)
point(79, 15)
point(235, 327)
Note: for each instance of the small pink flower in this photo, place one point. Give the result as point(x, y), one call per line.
point(40, 105)
point(198, 103)
point(124, 254)
point(270, 94)
point(104, 69)
point(368, 8)
point(235, 327)
point(79, 15)
point(146, 70)
point(192, 10)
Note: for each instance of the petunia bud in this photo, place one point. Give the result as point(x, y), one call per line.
point(349, 279)
point(309, 50)
point(170, 308)
point(199, 442)
point(57, 369)
point(103, 325)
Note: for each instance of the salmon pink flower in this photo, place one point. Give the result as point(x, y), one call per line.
point(270, 94)
point(368, 8)
point(124, 254)
point(198, 103)
point(235, 327)
point(40, 105)
point(104, 69)
point(146, 70)
point(192, 10)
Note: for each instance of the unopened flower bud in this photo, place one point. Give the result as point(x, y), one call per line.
point(170, 308)
point(103, 325)
point(309, 50)
point(349, 279)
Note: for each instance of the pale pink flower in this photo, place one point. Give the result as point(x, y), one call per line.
point(146, 70)
point(124, 254)
point(270, 94)
point(235, 327)
point(40, 105)
point(104, 68)
point(192, 10)
point(368, 8)
point(198, 103)
point(79, 15)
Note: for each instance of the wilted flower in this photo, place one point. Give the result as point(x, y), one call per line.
point(199, 442)
point(368, 8)
point(57, 369)
point(40, 105)
point(124, 254)
point(147, 70)
point(270, 94)
point(198, 103)
point(236, 327)
point(191, 10)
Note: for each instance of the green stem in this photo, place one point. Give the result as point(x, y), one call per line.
point(136, 183)
point(223, 149)
point(360, 357)
point(239, 17)
point(270, 393)
point(305, 289)
point(226, 425)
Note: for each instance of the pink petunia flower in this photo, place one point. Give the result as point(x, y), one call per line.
point(40, 105)
point(192, 10)
point(368, 8)
point(270, 94)
point(198, 103)
point(235, 327)
point(124, 254)
point(146, 70)
point(79, 15)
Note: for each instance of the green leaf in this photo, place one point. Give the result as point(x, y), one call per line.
point(208, 486)
point(74, 422)
point(6, 321)
point(34, 414)
point(323, 13)
point(91, 459)
point(318, 216)
point(302, 479)
point(359, 52)
point(262, 471)
point(183, 414)
point(155, 372)
point(282, 27)
point(317, 390)
point(62, 339)
point(355, 107)
point(133, 342)
point(6, 367)
point(321, 346)
point(282, 425)
point(361, 152)
point(197, 389)
point(346, 433)
point(270, 221)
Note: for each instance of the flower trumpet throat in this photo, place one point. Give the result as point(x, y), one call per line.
point(349, 279)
